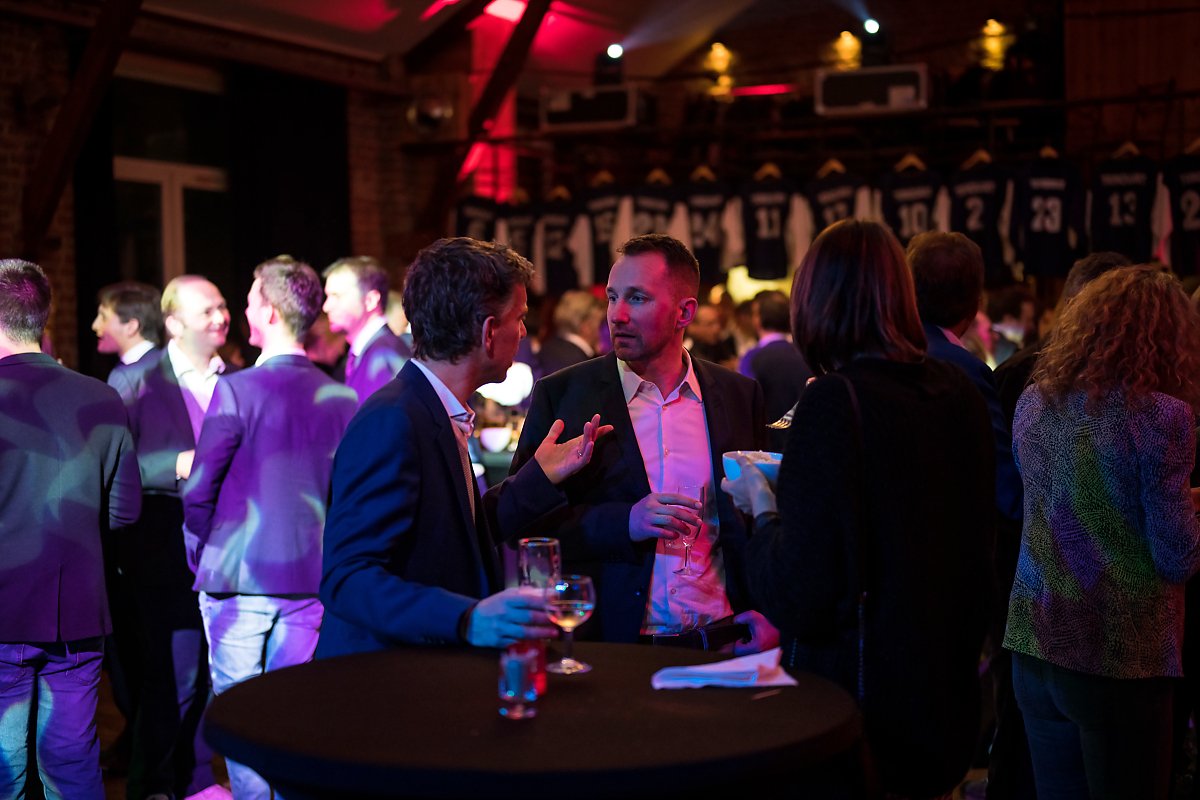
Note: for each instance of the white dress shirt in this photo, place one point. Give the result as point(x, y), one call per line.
point(369, 329)
point(287, 350)
point(134, 353)
point(672, 435)
point(196, 387)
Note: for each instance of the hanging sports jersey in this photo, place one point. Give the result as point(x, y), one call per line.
point(705, 202)
point(908, 202)
point(553, 255)
point(653, 208)
point(1122, 207)
point(475, 217)
point(836, 197)
point(601, 207)
point(515, 227)
point(979, 209)
point(766, 218)
point(1047, 216)
point(1182, 178)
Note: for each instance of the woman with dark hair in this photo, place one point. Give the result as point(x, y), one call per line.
point(872, 556)
point(1105, 442)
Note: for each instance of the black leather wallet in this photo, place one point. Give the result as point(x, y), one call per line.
point(712, 636)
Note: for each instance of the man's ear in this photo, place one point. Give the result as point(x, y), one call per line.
point(687, 312)
point(173, 326)
point(487, 336)
point(372, 300)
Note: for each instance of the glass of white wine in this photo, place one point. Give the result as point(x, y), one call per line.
point(569, 603)
point(696, 492)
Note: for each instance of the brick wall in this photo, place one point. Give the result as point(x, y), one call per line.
point(34, 76)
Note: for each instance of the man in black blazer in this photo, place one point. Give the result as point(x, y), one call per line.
point(166, 415)
point(577, 319)
point(69, 474)
point(410, 547)
point(674, 416)
point(356, 291)
point(775, 362)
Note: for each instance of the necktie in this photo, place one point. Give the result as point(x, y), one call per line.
point(460, 438)
point(351, 363)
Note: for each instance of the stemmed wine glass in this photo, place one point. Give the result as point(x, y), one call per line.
point(568, 604)
point(697, 492)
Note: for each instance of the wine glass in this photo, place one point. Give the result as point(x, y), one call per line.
point(569, 603)
point(696, 492)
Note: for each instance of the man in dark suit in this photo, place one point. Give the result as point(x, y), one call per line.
point(775, 362)
point(255, 502)
point(948, 273)
point(410, 553)
point(129, 324)
point(165, 417)
point(69, 474)
point(674, 416)
point(356, 291)
point(577, 319)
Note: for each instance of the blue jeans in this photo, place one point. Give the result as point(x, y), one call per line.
point(62, 679)
point(247, 636)
point(1092, 736)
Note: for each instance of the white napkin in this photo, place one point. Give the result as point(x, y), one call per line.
point(758, 669)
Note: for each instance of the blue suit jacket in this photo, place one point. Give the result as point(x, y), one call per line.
point(594, 526)
point(381, 360)
point(68, 472)
point(128, 378)
point(404, 559)
point(1008, 480)
point(255, 501)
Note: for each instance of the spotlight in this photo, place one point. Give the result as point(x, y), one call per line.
point(615, 51)
point(871, 26)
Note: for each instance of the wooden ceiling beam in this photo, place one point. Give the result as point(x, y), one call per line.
point(500, 83)
point(56, 161)
point(454, 20)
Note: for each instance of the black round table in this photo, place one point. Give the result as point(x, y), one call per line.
point(425, 723)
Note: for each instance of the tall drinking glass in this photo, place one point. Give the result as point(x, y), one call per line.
point(696, 492)
point(539, 564)
point(568, 604)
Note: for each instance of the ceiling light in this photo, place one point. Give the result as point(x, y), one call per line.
point(870, 26)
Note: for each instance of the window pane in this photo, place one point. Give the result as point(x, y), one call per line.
point(139, 222)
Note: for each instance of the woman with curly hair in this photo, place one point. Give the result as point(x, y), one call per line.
point(1104, 439)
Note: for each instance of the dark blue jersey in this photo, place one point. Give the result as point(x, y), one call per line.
point(766, 215)
point(1182, 178)
point(556, 219)
point(1123, 194)
point(907, 201)
point(833, 199)
point(1047, 216)
point(600, 205)
point(977, 203)
point(653, 207)
point(475, 217)
point(705, 203)
point(518, 227)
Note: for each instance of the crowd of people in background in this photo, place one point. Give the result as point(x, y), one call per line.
point(967, 478)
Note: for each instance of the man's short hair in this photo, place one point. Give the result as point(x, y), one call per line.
point(682, 265)
point(948, 276)
point(774, 311)
point(452, 287)
point(293, 289)
point(1090, 267)
point(170, 294)
point(367, 272)
point(24, 300)
point(131, 300)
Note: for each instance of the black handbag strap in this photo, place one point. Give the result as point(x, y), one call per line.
point(860, 532)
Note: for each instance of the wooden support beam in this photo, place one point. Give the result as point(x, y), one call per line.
point(503, 78)
point(55, 163)
point(454, 20)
